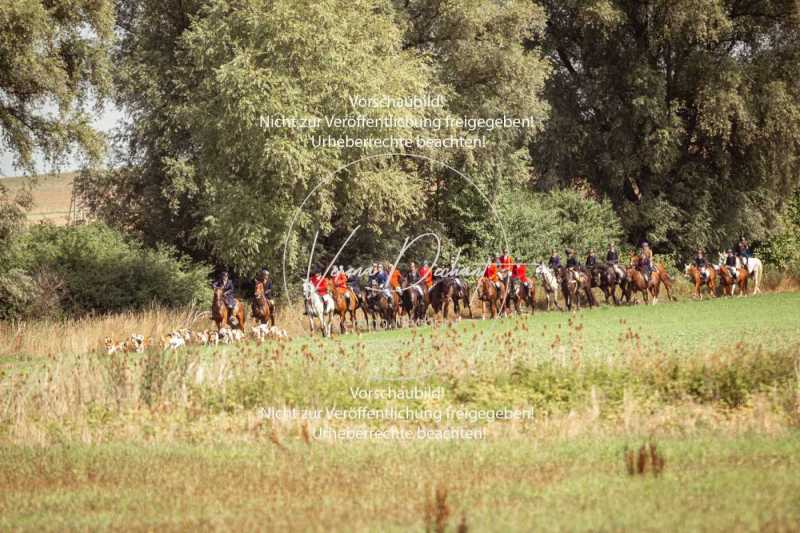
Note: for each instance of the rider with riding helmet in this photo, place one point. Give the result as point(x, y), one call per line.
point(265, 279)
point(555, 261)
point(701, 263)
point(730, 262)
point(591, 260)
point(646, 261)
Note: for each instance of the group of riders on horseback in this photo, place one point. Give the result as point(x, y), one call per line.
point(504, 284)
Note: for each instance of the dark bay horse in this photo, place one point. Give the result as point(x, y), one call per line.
point(449, 290)
point(219, 311)
point(381, 305)
point(573, 281)
point(415, 299)
point(262, 313)
point(609, 279)
point(520, 292)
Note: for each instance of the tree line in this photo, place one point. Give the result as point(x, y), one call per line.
point(668, 121)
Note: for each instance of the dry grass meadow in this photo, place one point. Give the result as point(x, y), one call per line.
point(51, 196)
point(172, 440)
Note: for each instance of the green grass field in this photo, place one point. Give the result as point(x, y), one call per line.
point(172, 441)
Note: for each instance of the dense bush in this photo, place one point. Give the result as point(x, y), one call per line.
point(93, 268)
point(537, 223)
point(783, 250)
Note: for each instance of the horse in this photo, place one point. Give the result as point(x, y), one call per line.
point(653, 284)
point(549, 284)
point(450, 289)
point(608, 280)
point(572, 282)
point(521, 292)
point(489, 295)
point(220, 313)
point(755, 270)
point(382, 305)
point(414, 299)
point(345, 301)
point(694, 274)
point(730, 281)
point(662, 277)
point(319, 308)
point(262, 312)
point(636, 283)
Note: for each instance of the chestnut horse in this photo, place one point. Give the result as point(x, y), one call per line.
point(729, 283)
point(345, 301)
point(489, 296)
point(219, 311)
point(694, 275)
point(653, 285)
point(261, 310)
point(636, 283)
point(662, 277)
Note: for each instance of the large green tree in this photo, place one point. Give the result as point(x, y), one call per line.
point(686, 114)
point(201, 171)
point(53, 60)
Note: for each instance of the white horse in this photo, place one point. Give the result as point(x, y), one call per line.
point(550, 284)
point(755, 269)
point(318, 307)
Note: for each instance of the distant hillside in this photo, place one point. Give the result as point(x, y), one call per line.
point(51, 195)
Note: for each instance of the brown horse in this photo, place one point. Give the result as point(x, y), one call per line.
point(520, 292)
point(219, 311)
point(729, 283)
point(381, 305)
point(574, 281)
point(636, 283)
point(662, 277)
point(489, 296)
point(414, 299)
point(653, 284)
point(345, 301)
point(447, 290)
point(262, 312)
point(694, 275)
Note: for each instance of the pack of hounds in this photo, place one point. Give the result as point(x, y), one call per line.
point(181, 338)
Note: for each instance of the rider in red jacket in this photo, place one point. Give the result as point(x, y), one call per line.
point(320, 283)
point(518, 272)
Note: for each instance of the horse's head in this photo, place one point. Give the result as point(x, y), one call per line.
point(542, 270)
point(259, 291)
point(219, 293)
point(308, 289)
